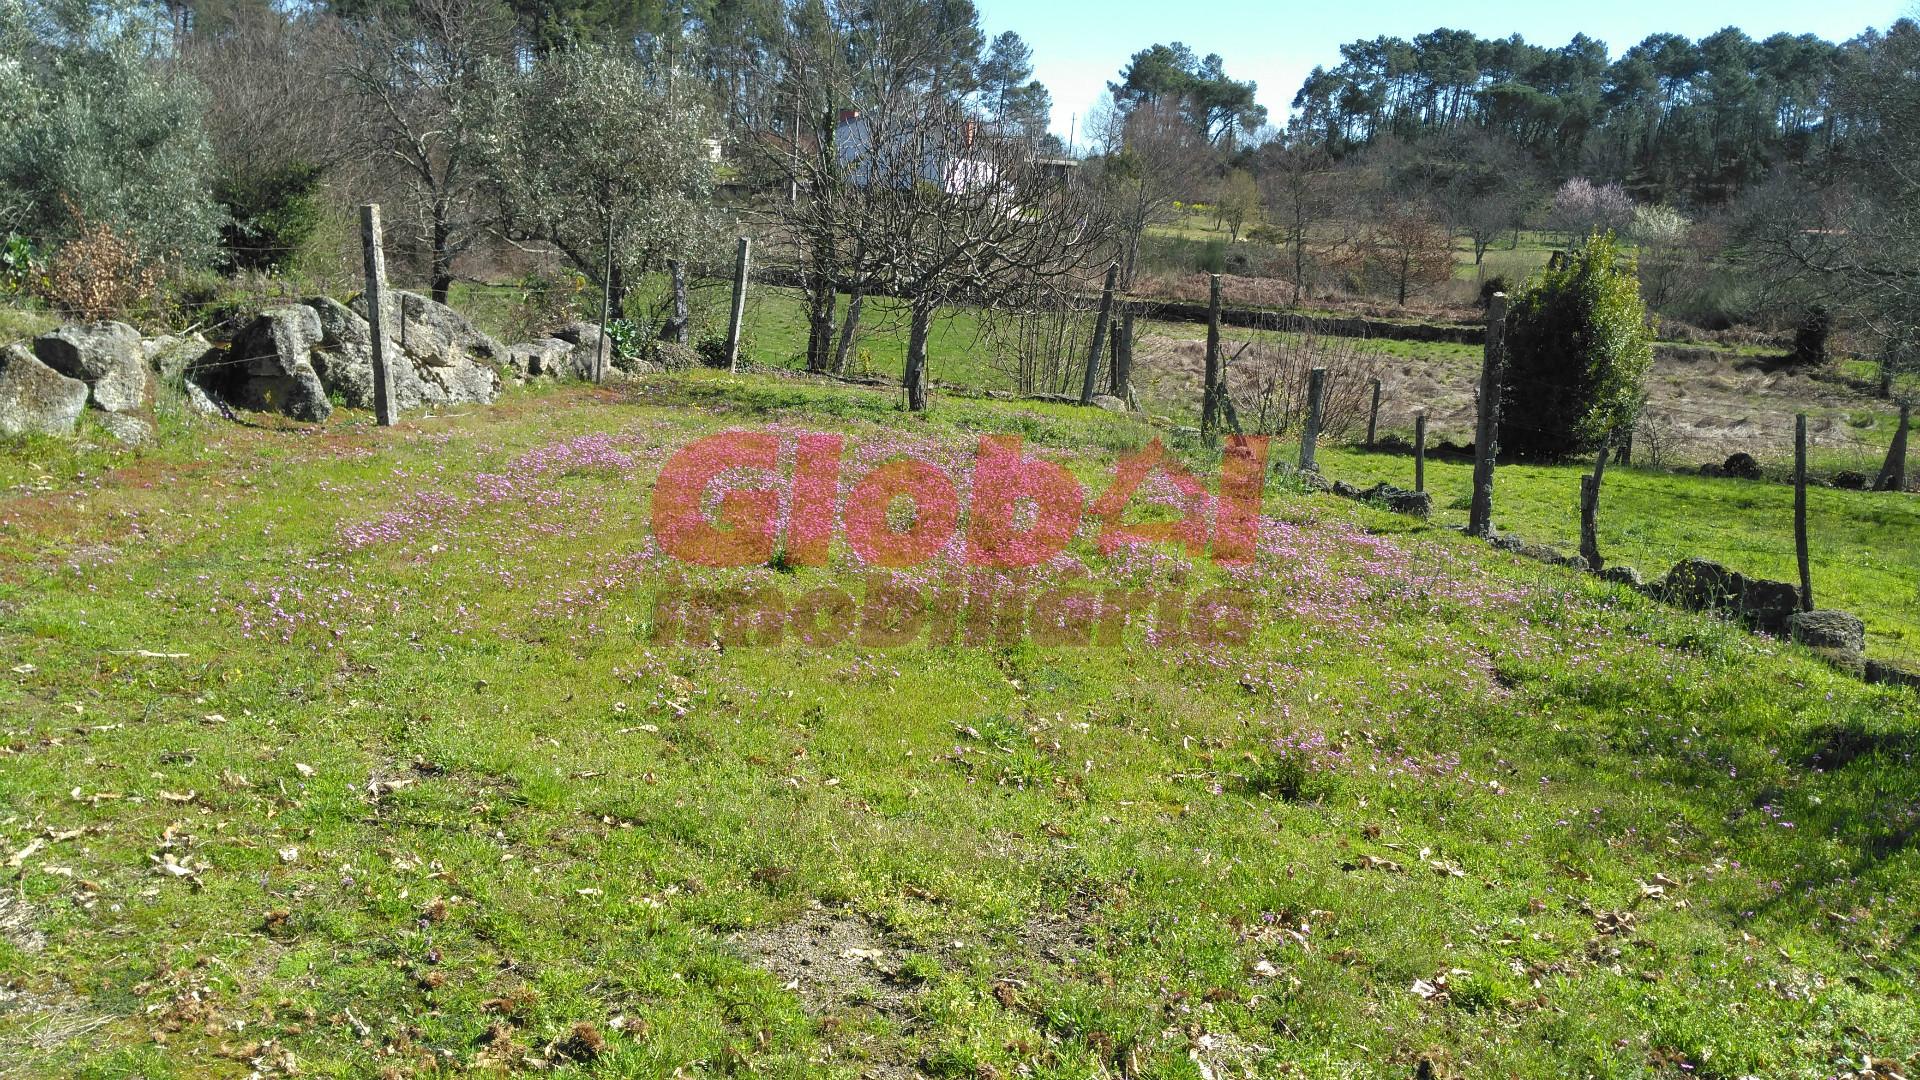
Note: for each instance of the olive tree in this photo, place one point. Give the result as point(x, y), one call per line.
point(97, 132)
point(589, 143)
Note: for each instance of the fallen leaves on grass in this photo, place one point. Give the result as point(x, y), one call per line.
point(33, 847)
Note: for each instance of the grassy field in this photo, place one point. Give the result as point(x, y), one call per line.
point(1860, 543)
point(346, 752)
point(1515, 257)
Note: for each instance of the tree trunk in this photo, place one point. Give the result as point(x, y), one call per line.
point(848, 328)
point(856, 293)
point(914, 378)
point(442, 272)
point(1299, 266)
point(821, 299)
point(675, 328)
point(616, 291)
point(1893, 474)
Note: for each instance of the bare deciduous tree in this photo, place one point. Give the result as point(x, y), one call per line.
point(1158, 160)
point(1305, 207)
point(1407, 245)
point(421, 82)
point(1849, 240)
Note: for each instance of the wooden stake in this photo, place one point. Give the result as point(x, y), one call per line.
point(1800, 510)
point(1099, 334)
point(376, 267)
point(1210, 392)
point(1420, 450)
point(740, 256)
point(1310, 434)
point(1487, 435)
point(1373, 416)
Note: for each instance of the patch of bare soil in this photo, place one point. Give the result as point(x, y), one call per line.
point(836, 960)
point(34, 1023)
point(1718, 404)
point(1703, 405)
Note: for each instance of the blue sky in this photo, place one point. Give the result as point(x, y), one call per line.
point(1078, 46)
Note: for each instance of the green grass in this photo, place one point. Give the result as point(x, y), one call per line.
point(957, 350)
point(436, 799)
point(24, 322)
point(1861, 552)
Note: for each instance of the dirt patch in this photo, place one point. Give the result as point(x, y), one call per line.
point(1060, 938)
point(831, 958)
point(836, 960)
point(33, 1023)
point(1703, 404)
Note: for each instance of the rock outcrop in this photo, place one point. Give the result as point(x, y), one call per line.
point(1621, 574)
point(299, 358)
point(111, 360)
point(269, 366)
point(34, 398)
point(1839, 636)
point(436, 353)
point(1704, 585)
point(1741, 466)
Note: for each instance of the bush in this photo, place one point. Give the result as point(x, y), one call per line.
point(272, 214)
point(111, 137)
point(1495, 284)
point(1578, 352)
point(712, 348)
point(1212, 258)
point(674, 356)
point(20, 264)
point(632, 341)
point(101, 274)
point(543, 301)
point(1810, 337)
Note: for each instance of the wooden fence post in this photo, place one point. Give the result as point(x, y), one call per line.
point(1590, 511)
point(1310, 433)
point(739, 315)
point(1121, 381)
point(1420, 450)
point(376, 293)
point(1209, 394)
point(1373, 416)
point(1099, 334)
point(1800, 510)
point(1486, 440)
point(1893, 474)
